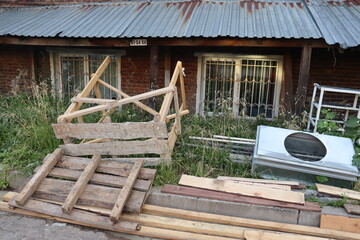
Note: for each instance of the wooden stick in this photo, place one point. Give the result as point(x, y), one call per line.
point(98, 93)
point(255, 180)
point(262, 235)
point(80, 184)
point(251, 223)
point(182, 86)
point(125, 191)
point(92, 100)
point(31, 186)
point(177, 112)
point(124, 95)
point(168, 90)
point(182, 113)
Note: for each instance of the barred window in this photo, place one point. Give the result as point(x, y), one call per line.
point(246, 86)
point(74, 72)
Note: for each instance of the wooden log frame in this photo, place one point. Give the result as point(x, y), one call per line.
point(106, 106)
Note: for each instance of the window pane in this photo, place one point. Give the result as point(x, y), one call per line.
point(72, 75)
point(219, 83)
point(257, 87)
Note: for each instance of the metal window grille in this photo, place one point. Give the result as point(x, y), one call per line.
point(76, 70)
point(245, 86)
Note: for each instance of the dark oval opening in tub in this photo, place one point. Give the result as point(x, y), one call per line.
point(305, 147)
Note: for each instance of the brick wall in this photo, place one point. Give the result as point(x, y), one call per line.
point(16, 68)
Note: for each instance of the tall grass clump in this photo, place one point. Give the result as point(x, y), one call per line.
point(26, 136)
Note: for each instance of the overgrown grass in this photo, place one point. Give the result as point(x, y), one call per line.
point(26, 137)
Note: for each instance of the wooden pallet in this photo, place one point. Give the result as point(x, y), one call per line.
point(66, 181)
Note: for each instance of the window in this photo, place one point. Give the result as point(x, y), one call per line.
point(73, 72)
point(247, 86)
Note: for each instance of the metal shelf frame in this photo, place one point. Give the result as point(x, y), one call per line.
point(313, 121)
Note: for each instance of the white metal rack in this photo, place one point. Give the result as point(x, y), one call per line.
point(313, 121)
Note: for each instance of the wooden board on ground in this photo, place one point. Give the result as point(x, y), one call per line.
point(93, 195)
point(341, 223)
point(108, 167)
point(352, 209)
point(262, 235)
point(243, 189)
point(231, 197)
point(336, 191)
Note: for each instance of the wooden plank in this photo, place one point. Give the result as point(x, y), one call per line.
point(125, 191)
point(98, 178)
point(117, 103)
point(144, 230)
point(262, 235)
point(156, 146)
point(93, 195)
point(44, 169)
point(76, 215)
point(187, 225)
point(127, 130)
point(254, 191)
point(109, 167)
point(177, 112)
point(147, 161)
point(124, 95)
point(269, 185)
point(304, 71)
point(255, 180)
point(251, 223)
point(352, 209)
point(336, 191)
point(340, 223)
point(80, 184)
point(231, 197)
point(92, 100)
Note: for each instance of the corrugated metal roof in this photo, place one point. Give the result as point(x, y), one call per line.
point(338, 21)
point(181, 18)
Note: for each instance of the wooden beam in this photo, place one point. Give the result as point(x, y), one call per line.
point(49, 162)
point(251, 223)
point(255, 180)
point(80, 184)
point(230, 42)
point(301, 91)
point(125, 191)
point(262, 235)
point(244, 189)
point(156, 146)
point(182, 87)
point(289, 99)
point(127, 130)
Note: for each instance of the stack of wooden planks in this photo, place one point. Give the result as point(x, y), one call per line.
point(347, 219)
point(244, 190)
point(64, 181)
point(171, 223)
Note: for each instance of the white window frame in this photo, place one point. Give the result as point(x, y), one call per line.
point(55, 64)
point(201, 81)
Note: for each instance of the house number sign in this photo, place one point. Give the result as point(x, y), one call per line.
point(138, 42)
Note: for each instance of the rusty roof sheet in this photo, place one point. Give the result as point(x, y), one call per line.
point(177, 18)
